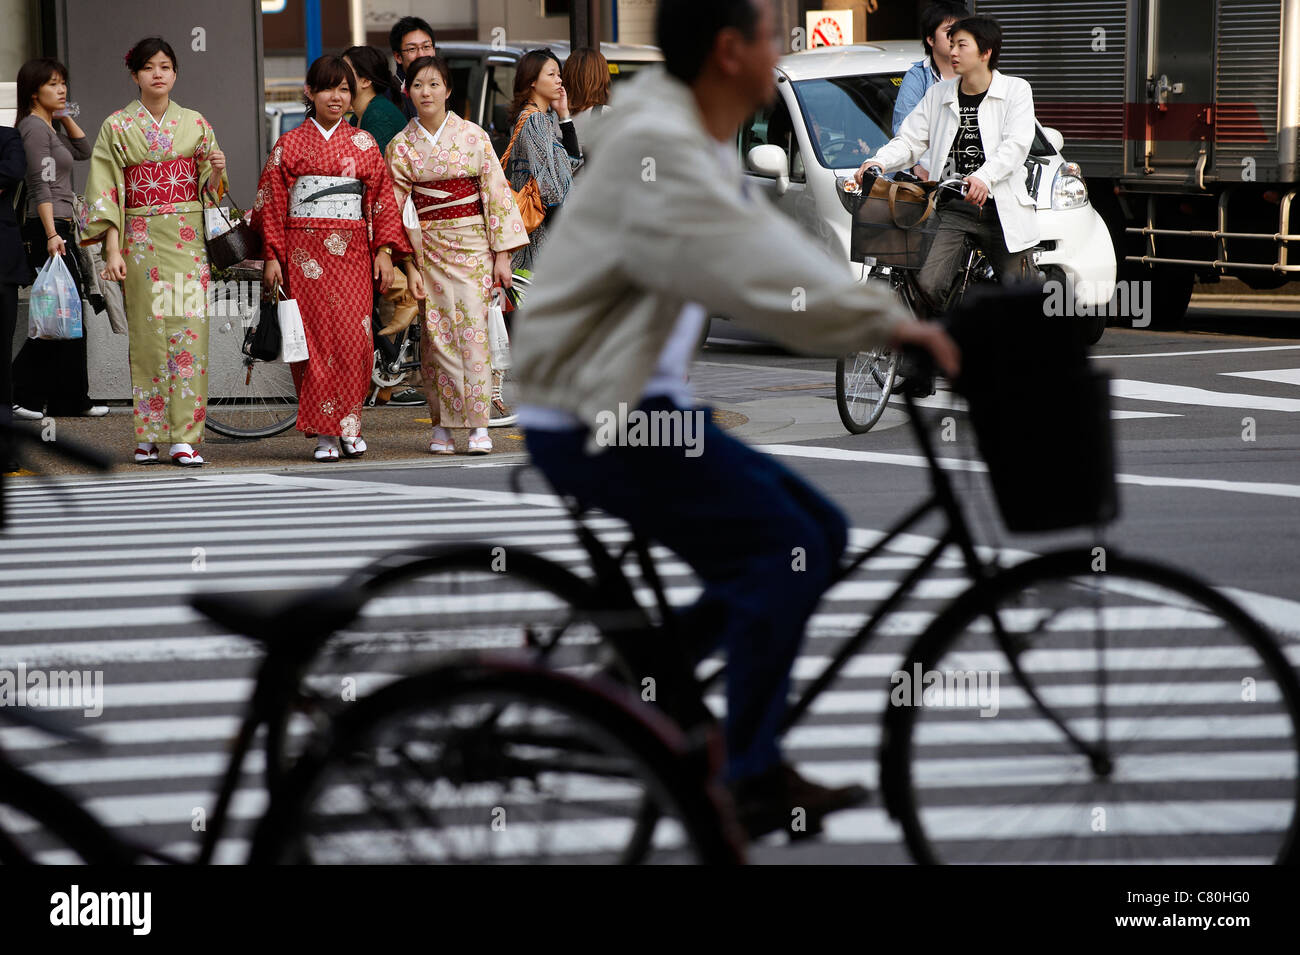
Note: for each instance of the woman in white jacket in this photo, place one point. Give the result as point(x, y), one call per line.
point(982, 125)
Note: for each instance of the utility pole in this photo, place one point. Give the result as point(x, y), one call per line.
point(584, 23)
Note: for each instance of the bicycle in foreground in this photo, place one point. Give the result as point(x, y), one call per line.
point(487, 757)
point(1140, 716)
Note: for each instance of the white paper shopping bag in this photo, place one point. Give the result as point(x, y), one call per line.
point(498, 339)
point(293, 337)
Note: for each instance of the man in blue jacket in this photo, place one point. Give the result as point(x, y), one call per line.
point(934, 67)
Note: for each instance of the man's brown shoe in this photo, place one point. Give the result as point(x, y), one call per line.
point(782, 799)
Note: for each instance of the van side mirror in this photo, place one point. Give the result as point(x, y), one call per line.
point(772, 162)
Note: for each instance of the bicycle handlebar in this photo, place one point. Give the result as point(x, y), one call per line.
point(853, 187)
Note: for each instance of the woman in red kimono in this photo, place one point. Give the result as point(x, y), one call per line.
point(330, 225)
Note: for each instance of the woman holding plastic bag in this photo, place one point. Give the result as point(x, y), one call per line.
point(330, 228)
point(155, 167)
point(49, 374)
point(463, 223)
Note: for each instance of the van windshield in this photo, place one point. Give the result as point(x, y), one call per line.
point(848, 117)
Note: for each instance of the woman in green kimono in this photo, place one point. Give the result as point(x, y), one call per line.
point(155, 167)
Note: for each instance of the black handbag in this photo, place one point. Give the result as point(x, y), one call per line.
point(241, 241)
point(262, 343)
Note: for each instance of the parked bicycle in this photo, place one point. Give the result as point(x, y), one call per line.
point(253, 399)
point(1141, 715)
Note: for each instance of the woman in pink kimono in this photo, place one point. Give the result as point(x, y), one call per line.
point(460, 215)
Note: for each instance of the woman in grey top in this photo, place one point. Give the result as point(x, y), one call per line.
point(49, 377)
point(546, 147)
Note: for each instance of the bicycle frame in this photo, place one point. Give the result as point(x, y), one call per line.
point(942, 499)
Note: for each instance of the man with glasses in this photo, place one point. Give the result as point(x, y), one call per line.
point(410, 38)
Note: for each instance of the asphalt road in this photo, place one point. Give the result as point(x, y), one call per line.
point(96, 576)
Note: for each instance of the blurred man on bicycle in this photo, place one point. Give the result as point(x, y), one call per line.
point(983, 123)
point(658, 235)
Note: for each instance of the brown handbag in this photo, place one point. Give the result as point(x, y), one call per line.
point(237, 244)
point(528, 199)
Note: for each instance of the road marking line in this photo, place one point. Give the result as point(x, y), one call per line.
point(1203, 351)
point(947, 401)
point(959, 464)
point(1184, 395)
point(1284, 376)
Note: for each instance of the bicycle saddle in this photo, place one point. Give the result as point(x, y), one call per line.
point(276, 617)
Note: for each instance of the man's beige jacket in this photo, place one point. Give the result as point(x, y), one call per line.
point(652, 224)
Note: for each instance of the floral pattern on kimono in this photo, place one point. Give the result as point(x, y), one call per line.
point(328, 267)
point(455, 258)
point(167, 275)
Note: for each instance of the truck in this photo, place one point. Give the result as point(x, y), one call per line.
point(1185, 118)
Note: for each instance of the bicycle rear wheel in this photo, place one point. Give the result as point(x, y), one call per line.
point(425, 607)
point(1185, 713)
point(495, 761)
point(246, 398)
point(863, 384)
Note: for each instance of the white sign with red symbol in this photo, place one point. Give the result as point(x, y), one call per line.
point(830, 28)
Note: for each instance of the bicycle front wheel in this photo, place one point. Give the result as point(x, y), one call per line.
point(495, 761)
point(863, 384)
point(246, 398)
point(1083, 707)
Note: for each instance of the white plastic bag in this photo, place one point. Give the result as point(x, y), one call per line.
point(498, 339)
point(293, 337)
point(55, 307)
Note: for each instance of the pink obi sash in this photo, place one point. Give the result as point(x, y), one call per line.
point(454, 199)
point(161, 183)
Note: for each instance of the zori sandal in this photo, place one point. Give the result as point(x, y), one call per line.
point(185, 456)
point(327, 449)
point(442, 442)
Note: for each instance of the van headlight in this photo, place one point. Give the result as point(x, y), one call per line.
point(1069, 191)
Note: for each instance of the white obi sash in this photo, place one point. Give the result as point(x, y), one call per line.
point(326, 197)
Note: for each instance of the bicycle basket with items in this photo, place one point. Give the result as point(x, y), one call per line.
point(893, 222)
point(1040, 411)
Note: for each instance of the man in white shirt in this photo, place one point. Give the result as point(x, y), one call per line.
point(657, 234)
point(978, 127)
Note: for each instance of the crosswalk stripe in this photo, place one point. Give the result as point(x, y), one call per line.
point(197, 526)
point(271, 536)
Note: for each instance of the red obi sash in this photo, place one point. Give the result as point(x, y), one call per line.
point(160, 183)
point(463, 200)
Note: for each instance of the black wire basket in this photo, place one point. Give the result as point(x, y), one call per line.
point(899, 237)
point(1040, 411)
